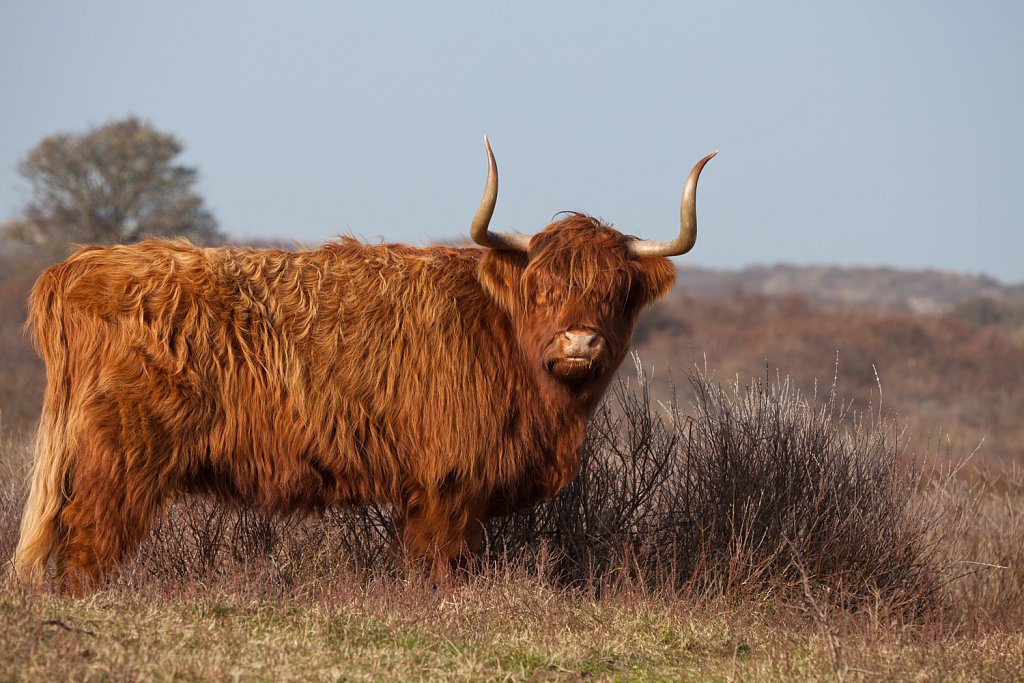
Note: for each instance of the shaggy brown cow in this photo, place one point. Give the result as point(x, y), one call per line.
point(454, 384)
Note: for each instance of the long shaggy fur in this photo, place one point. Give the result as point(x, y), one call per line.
point(292, 381)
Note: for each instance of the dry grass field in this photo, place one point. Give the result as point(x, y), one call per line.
point(763, 538)
point(764, 529)
point(496, 627)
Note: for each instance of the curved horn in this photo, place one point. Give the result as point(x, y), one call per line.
point(687, 222)
point(478, 230)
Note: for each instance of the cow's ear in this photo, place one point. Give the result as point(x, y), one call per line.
point(501, 273)
point(655, 276)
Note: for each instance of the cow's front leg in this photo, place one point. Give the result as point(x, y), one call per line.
point(444, 532)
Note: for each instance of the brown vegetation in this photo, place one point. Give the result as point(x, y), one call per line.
point(21, 371)
point(912, 291)
point(952, 384)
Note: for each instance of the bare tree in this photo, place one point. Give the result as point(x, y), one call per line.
point(115, 183)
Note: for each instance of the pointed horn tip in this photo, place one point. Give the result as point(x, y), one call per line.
point(699, 166)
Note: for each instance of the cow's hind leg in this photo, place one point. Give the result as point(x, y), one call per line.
point(111, 506)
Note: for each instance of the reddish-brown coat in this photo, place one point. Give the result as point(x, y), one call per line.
point(424, 378)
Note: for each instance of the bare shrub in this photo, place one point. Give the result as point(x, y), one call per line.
point(203, 540)
point(759, 485)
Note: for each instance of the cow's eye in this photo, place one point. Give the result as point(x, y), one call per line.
point(543, 295)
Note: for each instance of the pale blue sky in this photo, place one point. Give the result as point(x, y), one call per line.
point(878, 133)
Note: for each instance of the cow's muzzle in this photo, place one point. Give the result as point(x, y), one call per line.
point(576, 355)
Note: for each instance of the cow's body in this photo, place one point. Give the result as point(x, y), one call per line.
point(447, 382)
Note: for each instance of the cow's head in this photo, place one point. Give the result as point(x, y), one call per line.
point(574, 289)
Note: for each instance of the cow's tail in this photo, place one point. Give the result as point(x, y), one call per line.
point(51, 461)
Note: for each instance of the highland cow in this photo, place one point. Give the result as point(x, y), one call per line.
point(453, 384)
